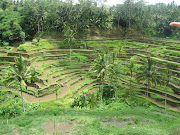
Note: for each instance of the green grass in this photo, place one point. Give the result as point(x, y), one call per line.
point(87, 89)
point(66, 72)
point(85, 82)
point(64, 76)
point(158, 89)
point(136, 120)
point(52, 57)
point(54, 64)
point(29, 46)
point(156, 96)
point(72, 77)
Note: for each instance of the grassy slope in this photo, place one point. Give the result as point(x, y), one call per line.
point(110, 120)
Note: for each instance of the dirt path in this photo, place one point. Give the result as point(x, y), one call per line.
point(14, 49)
point(76, 84)
point(51, 81)
point(33, 99)
point(59, 80)
point(32, 88)
point(27, 97)
point(52, 127)
point(65, 71)
point(92, 90)
point(40, 84)
point(43, 75)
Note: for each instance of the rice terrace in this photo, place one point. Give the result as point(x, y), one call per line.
point(85, 68)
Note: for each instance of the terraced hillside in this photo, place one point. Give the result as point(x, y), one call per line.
point(51, 61)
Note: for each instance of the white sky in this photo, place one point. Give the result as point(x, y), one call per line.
point(114, 2)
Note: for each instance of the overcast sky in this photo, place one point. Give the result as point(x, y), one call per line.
point(114, 2)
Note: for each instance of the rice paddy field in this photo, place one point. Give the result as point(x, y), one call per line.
point(50, 58)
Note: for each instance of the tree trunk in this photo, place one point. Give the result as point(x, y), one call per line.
point(102, 92)
point(131, 78)
point(38, 96)
point(7, 119)
point(70, 55)
point(166, 98)
point(56, 95)
point(99, 85)
point(115, 93)
point(35, 96)
point(147, 92)
point(22, 99)
point(38, 28)
point(102, 88)
point(118, 23)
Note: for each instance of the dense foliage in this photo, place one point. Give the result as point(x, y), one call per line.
point(22, 19)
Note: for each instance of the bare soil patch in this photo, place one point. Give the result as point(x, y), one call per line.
point(58, 127)
point(14, 132)
point(76, 84)
point(118, 124)
point(92, 90)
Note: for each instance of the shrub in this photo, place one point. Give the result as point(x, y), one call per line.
point(80, 101)
point(5, 43)
point(117, 106)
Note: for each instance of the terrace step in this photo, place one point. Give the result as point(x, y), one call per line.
point(32, 88)
point(17, 54)
point(155, 90)
point(170, 101)
point(39, 63)
point(40, 85)
point(160, 104)
point(60, 80)
point(73, 79)
point(82, 88)
point(66, 71)
point(77, 83)
point(7, 58)
point(92, 90)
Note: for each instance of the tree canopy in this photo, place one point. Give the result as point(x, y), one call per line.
point(24, 18)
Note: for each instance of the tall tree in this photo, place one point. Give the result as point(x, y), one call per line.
point(131, 66)
point(57, 90)
point(20, 72)
point(149, 75)
point(69, 38)
point(101, 66)
point(167, 78)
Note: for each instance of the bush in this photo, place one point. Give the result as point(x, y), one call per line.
point(5, 43)
point(117, 106)
point(80, 101)
point(90, 100)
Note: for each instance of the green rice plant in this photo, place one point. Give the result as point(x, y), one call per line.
point(170, 52)
point(156, 96)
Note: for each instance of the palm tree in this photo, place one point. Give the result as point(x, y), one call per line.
point(149, 75)
point(57, 89)
point(168, 76)
point(131, 66)
point(69, 38)
point(114, 76)
point(101, 65)
point(34, 79)
point(119, 50)
point(20, 72)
